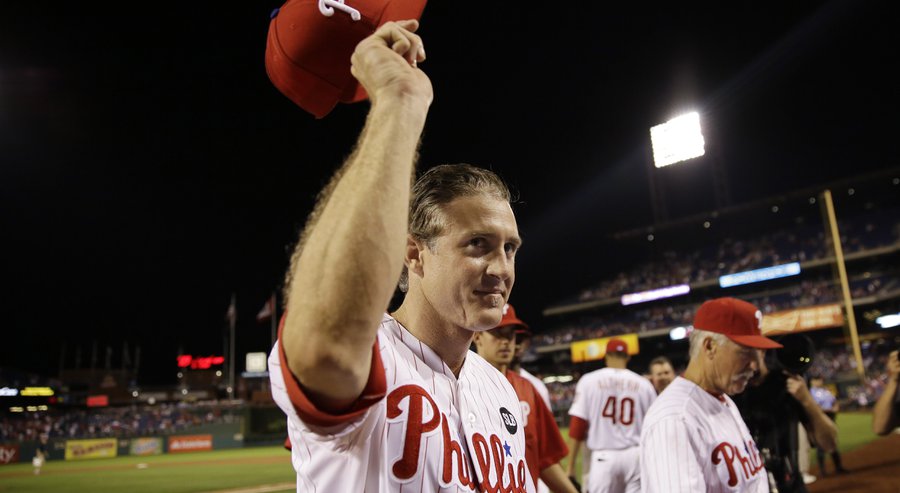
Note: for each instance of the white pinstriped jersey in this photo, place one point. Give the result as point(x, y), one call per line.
point(694, 441)
point(431, 431)
point(538, 384)
point(613, 401)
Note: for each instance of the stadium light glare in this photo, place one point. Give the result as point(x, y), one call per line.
point(888, 321)
point(560, 379)
point(678, 333)
point(655, 294)
point(677, 140)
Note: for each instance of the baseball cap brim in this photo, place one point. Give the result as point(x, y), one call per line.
point(758, 342)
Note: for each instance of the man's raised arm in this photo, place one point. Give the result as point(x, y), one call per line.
point(350, 256)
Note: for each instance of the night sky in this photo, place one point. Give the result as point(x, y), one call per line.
point(149, 168)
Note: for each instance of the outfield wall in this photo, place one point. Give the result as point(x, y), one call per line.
point(202, 438)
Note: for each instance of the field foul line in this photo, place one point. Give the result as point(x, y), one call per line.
point(264, 488)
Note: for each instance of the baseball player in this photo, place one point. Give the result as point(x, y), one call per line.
point(544, 444)
point(694, 438)
point(523, 340)
point(607, 413)
point(379, 402)
point(40, 454)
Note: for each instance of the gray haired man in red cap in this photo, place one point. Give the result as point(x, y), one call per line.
point(694, 438)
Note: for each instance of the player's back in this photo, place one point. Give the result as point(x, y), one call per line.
point(613, 402)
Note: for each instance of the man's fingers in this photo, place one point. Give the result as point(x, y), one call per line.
point(401, 38)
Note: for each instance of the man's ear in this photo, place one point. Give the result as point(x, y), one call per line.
point(710, 347)
point(413, 258)
point(476, 339)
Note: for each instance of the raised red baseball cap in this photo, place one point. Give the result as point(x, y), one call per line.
point(738, 320)
point(310, 42)
point(616, 346)
point(510, 318)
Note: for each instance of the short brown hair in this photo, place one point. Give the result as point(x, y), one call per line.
point(660, 360)
point(439, 186)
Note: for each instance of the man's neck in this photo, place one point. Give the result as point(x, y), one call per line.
point(696, 373)
point(451, 343)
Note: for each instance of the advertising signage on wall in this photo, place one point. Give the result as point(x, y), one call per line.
point(189, 443)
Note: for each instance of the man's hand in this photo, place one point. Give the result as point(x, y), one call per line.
point(796, 386)
point(386, 63)
point(893, 366)
point(575, 483)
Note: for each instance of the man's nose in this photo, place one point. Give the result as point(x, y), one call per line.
point(500, 266)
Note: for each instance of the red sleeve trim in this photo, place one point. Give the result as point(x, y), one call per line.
point(578, 428)
point(375, 390)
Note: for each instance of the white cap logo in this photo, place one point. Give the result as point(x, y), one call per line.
point(758, 319)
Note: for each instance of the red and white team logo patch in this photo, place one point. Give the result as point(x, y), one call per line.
point(414, 405)
point(737, 462)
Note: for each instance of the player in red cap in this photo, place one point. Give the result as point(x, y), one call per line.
point(544, 443)
point(694, 438)
point(523, 339)
point(607, 413)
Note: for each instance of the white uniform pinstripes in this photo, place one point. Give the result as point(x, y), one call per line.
point(693, 441)
point(461, 436)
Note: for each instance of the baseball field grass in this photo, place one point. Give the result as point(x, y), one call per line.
point(251, 470)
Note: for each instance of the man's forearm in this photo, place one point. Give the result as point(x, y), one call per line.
point(824, 431)
point(884, 416)
point(557, 480)
point(573, 457)
point(352, 256)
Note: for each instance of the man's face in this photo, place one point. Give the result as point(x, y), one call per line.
point(522, 342)
point(817, 382)
point(661, 374)
point(734, 365)
point(469, 271)
point(497, 346)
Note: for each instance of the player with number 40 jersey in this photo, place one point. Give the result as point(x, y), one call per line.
point(607, 414)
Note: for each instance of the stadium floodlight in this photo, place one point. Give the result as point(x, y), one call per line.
point(888, 321)
point(758, 275)
point(655, 294)
point(678, 333)
point(677, 140)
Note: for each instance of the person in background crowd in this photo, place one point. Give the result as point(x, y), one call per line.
point(828, 402)
point(661, 373)
point(886, 415)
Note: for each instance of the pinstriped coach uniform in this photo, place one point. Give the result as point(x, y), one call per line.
point(694, 441)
